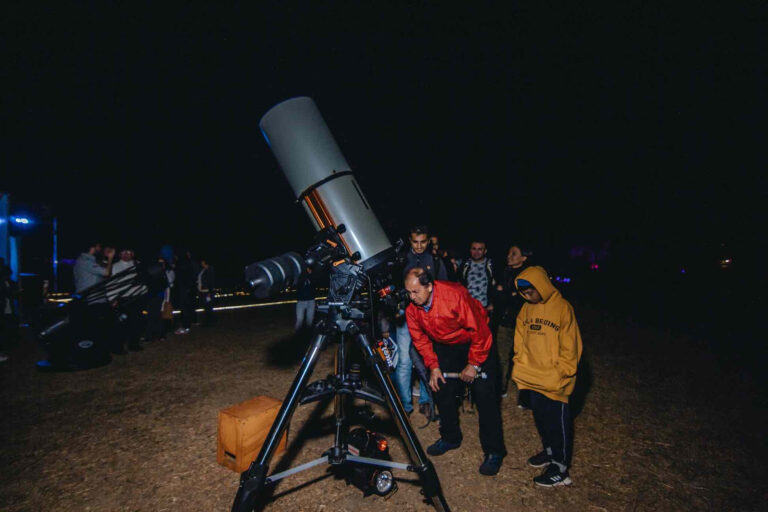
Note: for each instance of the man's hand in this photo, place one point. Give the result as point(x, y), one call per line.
point(468, 374)
point(490, 308)
point(435, 377)
point(109, 252)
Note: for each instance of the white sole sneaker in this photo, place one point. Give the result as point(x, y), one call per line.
point(560, 483)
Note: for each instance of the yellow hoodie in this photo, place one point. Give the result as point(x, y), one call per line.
point(547, 341)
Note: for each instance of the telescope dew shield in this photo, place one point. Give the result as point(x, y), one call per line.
point(274, 275)
point(321, 178)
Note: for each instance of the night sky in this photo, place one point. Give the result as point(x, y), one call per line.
point(553, 123)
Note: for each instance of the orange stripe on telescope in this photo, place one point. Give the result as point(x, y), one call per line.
point(321, 214)
point(318, 219)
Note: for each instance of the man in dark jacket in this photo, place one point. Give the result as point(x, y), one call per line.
point(441, 257)
point(417, 257)
point(206, 280)
point(185, 291)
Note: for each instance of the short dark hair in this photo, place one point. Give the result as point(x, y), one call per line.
point(424, 277)
point(91, 243)
point(478, 241)
point(525, 250)
point(419, 229)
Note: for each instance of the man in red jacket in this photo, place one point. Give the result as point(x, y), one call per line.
point(450, 330)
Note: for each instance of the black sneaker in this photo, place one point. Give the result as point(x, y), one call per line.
point(540, 460)
point(441, 446)
point(491, 464)
point(553, 477)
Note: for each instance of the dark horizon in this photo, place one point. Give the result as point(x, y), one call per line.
point(630, 123)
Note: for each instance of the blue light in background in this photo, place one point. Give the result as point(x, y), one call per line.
point(21, 220)
point(14, 260)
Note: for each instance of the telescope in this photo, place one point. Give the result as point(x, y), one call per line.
point(71, 343)
point(352, 248)
point(324, 185)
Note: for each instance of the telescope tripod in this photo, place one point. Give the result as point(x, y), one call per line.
point(340, 322)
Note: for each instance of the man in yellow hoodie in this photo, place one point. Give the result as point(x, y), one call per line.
point(547, 352)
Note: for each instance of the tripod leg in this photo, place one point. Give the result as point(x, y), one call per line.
point(253, 479)
point(340, 407)
point(432, 490)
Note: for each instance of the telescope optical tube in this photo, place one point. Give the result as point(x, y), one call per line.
point(321, 178)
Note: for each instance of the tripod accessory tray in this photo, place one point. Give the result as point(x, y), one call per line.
point(243, 428)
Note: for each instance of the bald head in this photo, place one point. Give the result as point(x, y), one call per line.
point(419, 286)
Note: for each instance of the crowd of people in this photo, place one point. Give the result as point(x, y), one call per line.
point(465, 319)
point(132, 310)
point(466, 326)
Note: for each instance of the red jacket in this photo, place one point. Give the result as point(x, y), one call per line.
point(454, 318)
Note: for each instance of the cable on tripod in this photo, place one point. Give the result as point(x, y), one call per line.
point(370, 301)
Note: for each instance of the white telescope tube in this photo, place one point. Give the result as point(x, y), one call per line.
point(321, 177)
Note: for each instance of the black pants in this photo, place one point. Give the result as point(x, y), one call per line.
point(132, 325)
point(206, 300)
point(453, 358)
point(555, 426)
point(8, 329)
point(99, 326)
point(155, 322)
point(187, 306)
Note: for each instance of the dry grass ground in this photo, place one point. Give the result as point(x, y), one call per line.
point(140, 434)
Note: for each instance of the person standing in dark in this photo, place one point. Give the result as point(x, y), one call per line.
point(130, 300)
point(89, 270)
point(155, 323)
point(440, 257)
point(7, 296)
point(206, 281)
point(476, 274)
point(510, 302)
point(185, 292)
point(453, 264)
point(417, 257)
point(548, 348)
point(98, 319)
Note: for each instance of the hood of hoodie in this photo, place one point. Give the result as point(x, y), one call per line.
point(537, 276)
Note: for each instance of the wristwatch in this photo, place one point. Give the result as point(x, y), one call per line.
point(478, 369)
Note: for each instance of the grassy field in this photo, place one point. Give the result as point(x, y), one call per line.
point(663, 426)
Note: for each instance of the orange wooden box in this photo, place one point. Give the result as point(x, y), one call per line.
point(242, 430)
